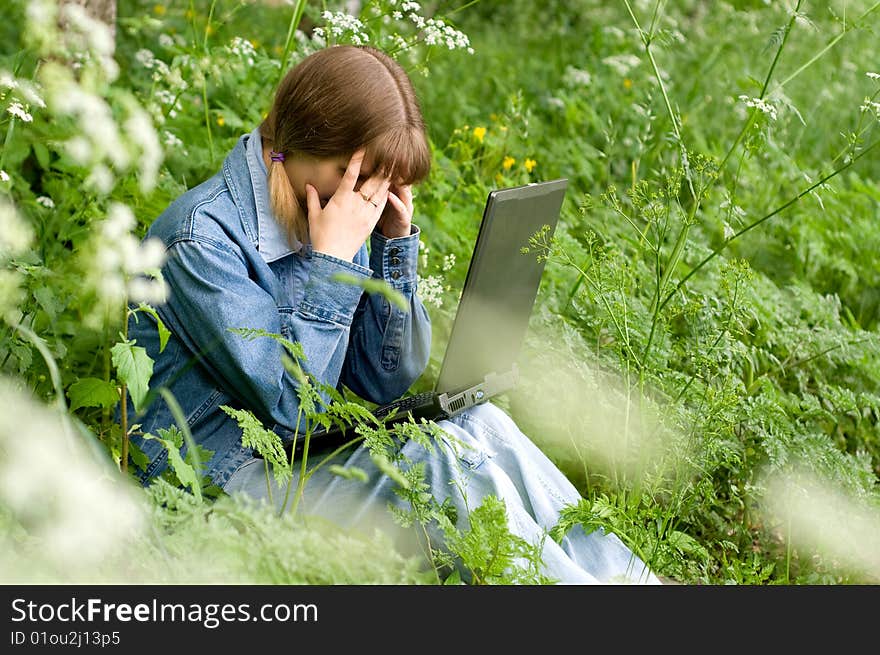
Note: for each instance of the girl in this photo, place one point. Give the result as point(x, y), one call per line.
point(258, 246)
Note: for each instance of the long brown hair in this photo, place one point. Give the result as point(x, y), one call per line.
point(335, 101)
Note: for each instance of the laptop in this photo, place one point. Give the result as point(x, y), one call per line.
point(493, 314)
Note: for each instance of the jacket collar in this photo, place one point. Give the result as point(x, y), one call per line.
point(246, 175)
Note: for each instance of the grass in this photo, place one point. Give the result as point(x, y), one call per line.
point(703, 361)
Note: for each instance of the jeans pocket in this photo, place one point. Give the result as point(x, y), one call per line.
point(473, 457)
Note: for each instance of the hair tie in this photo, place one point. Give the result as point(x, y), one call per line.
point(276, 156)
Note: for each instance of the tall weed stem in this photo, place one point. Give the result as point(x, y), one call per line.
point(764, 218)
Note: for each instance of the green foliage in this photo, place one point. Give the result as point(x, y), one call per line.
point(134, 368)
point(92, 392)
point(710, 305)
point(266, 442)
point(491, 553)
point(184, 473)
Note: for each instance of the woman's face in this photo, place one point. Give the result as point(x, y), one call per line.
point(323, 174)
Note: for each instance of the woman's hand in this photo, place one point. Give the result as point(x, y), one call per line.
point(396, 220)
point(348, 218)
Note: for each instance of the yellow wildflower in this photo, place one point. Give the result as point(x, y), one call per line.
point(627, 83)
point(159, 10)
point(479, 133)
point(529, 164)
point(220, 120)
point(255, 43)
point(499, 179)
point(278, 50)
point(189, 14)
point(508, 162)
point(209, 29)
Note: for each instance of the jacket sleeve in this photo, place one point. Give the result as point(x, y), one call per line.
point(212, 292)
point(388, 346)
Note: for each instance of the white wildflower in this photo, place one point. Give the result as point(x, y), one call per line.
point(761, 105)
point(175, 80)
point(97, 33)
point(870, 106)
point(151, 254)
point(151, 290)
point(171, 141)
point(161, 71)
point(339, 23)
point(436, 32)
point(140, 131)
point(448, 262)
point(42, 22)
point(16, 109)
point(101, 179)
point(729, 232)
point(243, 49)
point(75, 508)
point(166, 41)
point(15, 234)
point(31, 94)
point(4, 176)
point(614, 31)
point(46, 201)
point(431, 290)
point(94, 117)
point(145, 58)
point(622, 64)
point(733, 209)
point(119, 223)
point(7, 80)
point(576, 77)
point(79, 149)
point(873, 76)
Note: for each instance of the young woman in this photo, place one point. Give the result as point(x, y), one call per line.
point(258, 245)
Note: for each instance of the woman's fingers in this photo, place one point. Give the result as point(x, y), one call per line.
point(313, 200)
point(374, 187)
point(405, 194)
point(352, 171)
point(397, 204)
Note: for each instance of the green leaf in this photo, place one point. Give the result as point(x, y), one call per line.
point(385, 465)
point(185, 473)
point(374, 285)
point(135, 367)
point(164, 332)
point(49, 302)
point(42, 154)
point(348, 472)
point(92, 392)
point(293, 347)
point(266, 442)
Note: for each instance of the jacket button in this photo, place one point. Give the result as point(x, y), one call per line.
point(393, 250)
point(395, 275)
point(395, 260)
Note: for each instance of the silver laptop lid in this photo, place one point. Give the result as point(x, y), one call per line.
point(501, 285)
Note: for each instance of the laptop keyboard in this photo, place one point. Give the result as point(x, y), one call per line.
point(405, 404)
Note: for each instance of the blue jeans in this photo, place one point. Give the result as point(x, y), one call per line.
point(490, 455)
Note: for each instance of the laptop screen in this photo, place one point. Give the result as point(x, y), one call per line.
point(501, 285)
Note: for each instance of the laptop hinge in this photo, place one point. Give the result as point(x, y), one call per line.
point(492, 385)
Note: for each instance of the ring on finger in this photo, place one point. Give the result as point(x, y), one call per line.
point(369, 199)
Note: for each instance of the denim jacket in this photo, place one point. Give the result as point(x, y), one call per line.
point(229, 265)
